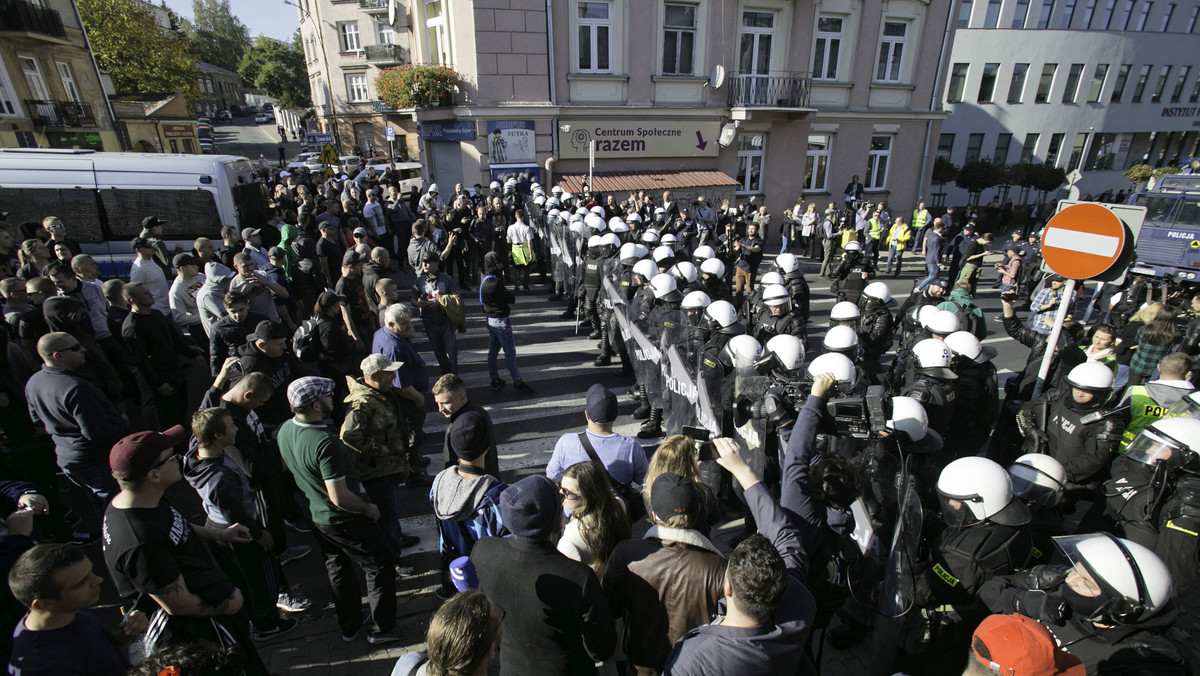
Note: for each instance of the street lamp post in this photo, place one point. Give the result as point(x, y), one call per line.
point(324, 64)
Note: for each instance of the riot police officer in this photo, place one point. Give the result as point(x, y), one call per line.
point(1058, 423)
point(875, 327)
point(852, 273)
point(666, 303)
point(593, 275)
point(723, 324)
point(845, 313)
point(1039, 481)
point(777, 318)
point(976, 390)
point(712, 279)
point(787, 265)
point(932, 384)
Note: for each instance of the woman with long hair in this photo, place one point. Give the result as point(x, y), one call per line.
point(1154, 341)
point(598, 520)
point(34, 256)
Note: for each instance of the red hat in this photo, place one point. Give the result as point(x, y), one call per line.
point(134, 455)
point(1019, 646)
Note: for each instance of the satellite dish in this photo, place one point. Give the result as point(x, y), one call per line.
point(718, 77)
point(391, 12)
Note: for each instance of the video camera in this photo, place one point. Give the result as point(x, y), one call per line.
point(862, 416)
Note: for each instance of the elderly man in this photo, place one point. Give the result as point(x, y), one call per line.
point(394, 341)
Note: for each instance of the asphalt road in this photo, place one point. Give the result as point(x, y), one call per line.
point(242, 136)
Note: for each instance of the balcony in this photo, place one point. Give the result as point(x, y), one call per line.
point(61, 113)
point(25, 17)
point(386, 55)
point(373, 6)
point(780, 90)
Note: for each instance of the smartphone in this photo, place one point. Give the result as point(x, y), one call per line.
point(705, 448)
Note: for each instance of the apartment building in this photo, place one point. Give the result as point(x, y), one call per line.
point(1093, 85)
point(219, 90)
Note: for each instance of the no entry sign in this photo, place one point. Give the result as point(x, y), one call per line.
point(1082, 241)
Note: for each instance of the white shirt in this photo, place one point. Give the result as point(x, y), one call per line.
point(148, 273)
point(520, 233)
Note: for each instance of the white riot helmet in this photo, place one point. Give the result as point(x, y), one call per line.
point(976, 489)
point(714, 267)
point(844, 312)
point(841, 339)
point(776, 295)
point(908, 416)
point(618, 226)
point(598, 210)
point(924, 313)
point(632, 252)
point(664, 256)
point(1188, 407)
point(566, 196)
point(582, 211)
point(933, 358)
point(789, 350)
point(879, 291)
point(659, 213)
point(1174, 440)
point(743, 351)
point(696, 300)
point(575, 218)
point(596, 223)
point(964, 344)
point(704, 252)
point(684, 270)
point(510, 185)
point(496, 186)
point(634, 218)
point(770, 278)
point(650, 238)
point(722, 313)
point(577, 227)
point(839, 366)
point(668, 240)
point(1038, 479)
point(554, 201)
point(594, 242)
point(553, 213)
point(1091, 376)
point(1134, 583)
point(539, 200)
point(646, 269)
point(787, 263)
point(556, 190)
point(611, 240)
point(614, 220)
point(940, 322)
point(853, 246)
point(664, 287)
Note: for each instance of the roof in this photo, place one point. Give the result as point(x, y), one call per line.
point(214, 69)
point(646, 180)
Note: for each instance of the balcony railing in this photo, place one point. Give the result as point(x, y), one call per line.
point(386, 54)
point(61, 113)
point(780, 90)
point(26, 17)
point(374, 5)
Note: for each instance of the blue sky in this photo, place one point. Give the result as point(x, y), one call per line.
point(263, 17)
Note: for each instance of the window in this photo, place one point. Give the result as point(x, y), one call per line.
point(1016, 86)
point(68, 81)
point(1109, 6)
point(1195, 91)
point(1072, 88)
point(1077, 152)
point(1056, 141)
point(384, 33)
point(33, 78)
point(974, 147)
point(1180, 83)
point(1162, 85)
point(877, 162)
point(1140, 87)
point(437, 37)
point(595, 24)
point(816, 162)
point(1089, 10)
point(1020, 14)
point(964, 13)
point(1045, 83)
point(750, 162)
point(1122, 80)
point(349, 36)
point(958, 82)
point(679, 39)
point(829, 44)
point(1167, 17)
point(1068, 14)
point(1097, 83)
point(1141, 22)
point(1003, 143)
point(987, 82)
point(1126, 14)
point(1028, 148)
point(1101, 153)
point(8, 95)
point(945, 146)
point(1192, 20)
point(356, 88)
point(1044, 15)
point(992, 18)
point(891, 52)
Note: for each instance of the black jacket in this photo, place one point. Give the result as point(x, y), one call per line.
point(227, 337)
point(281, 370)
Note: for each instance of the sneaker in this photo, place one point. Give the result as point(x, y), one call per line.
point(498, 383)
point(350, 638)
point(378, 637)
point(403, 570)
point(593, 335)
point(282, 627)
point(294, 552)
point(298, 526)
point(522, 386)
point(293, 602)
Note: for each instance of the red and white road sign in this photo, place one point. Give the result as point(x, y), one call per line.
point(1082, 241)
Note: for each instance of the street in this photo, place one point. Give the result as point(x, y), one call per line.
point(242, 136)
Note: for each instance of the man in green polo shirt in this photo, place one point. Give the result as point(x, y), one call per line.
point(345, 523)
point(1151, 401)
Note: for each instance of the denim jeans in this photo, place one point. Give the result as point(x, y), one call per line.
point(500, 335)
point(932, 270)
point(444, 343)
point(784, 246)
point(896, 256)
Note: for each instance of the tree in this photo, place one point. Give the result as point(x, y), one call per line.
point(1139, 173)
point(140, 57)
point(977, 176)
point(218, 37)
point(1047, 178)
point(172, 17)
point(278, 68)
point(944, 171)
point(1021, 174)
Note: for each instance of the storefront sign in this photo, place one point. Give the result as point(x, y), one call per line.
point(623, 140)
point(60, 139)
point(449, 130)
point(1181, 111)
point(178, 131)
point(511, 142)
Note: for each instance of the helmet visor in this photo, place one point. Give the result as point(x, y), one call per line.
point(1185, 407)
point(1035, 486)
point(1150, 447)
point(1083, 579)
point(956, 509)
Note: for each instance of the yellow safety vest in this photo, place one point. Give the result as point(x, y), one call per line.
point(876, 228)
point(919, 218)
point(1143, 410)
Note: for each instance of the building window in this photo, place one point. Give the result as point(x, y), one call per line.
point(945, 146)
point(1167, 17)
point(1089, 10)
point(891, 51)
point(974, 148)
point(1140, 88)
point(384, 33)
point(1101, 154)
point(958, 82)
point(964, 13)
point(356, 88)
point(816, 162)
point(349, 36)
point(1045, 83)
point(437, 36)
point(679, 39)
point(750, 162)
point(1072, 88)
point(1003, 143)
point(1020, 14)
point(1180, 83)
point(1119, 85)
point(1028, 148)
point(829, 44)
point(1192, 20)
point(68, 81)
point(1056, 141)
point(595, 24)
point(1195, 91)
point(1044, 15)
point(1068, 14)
point(8, 95)
point(987, 82)
point(877, 162)
point(1126, 15)
point(1077, 152)
point(1109, 7)
point(1141, 22)
point(1098, 79)
point(1162, 85)
point(1016, 86)
point(33, 78)
point(992, 18)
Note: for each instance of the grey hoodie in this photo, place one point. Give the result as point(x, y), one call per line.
point(455, 498)
point(210, 299)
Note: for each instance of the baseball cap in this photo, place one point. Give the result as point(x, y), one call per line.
point(329, 299)
point(247, 233)
point(183, 259)
point(601, 404)
point(351, 257)
point(431, 256)
point(135, 454)
point(267, 330)
point(276, 252)
point(360, 231)
point(469, 436)
point(151, 221)
point(304, 391)
point(284, 174)
point(377, 362)
point(1017, 645)
point(141, 243)
point(673, 494)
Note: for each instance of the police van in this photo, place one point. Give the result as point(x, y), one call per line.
point(102, 197)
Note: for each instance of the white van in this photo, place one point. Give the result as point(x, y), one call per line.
point(103, 197)
point(410, 174)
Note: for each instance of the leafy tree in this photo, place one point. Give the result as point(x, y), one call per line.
point(944, 171)
point(278, 68)
point(129, 45)
point(1139, 173)
point(1046, 178)
point(1166, 171)
point(218, 37)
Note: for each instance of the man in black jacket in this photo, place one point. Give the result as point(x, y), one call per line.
point(495, 298)
point(160, 353)
point(229, 332)
point(266, 351)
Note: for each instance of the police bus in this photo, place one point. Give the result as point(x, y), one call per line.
point(1168, 246)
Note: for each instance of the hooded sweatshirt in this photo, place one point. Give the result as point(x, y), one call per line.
point(467, 510)
point(224, 490)
point(210, 300)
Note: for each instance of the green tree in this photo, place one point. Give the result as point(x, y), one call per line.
point(278, 69)
point(1139, 173)
point(977, 176)
point(218, 37)
point(944, 171)
point(139, 56)
point(1046, 178)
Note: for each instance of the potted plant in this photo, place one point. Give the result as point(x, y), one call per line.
point(416, 86)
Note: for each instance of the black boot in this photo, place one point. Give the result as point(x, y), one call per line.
point(603, 360)
point(642, 412)
point(652, 428)
point(626, 364)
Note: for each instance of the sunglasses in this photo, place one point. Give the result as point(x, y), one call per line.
point(164, 461)
point(568, 494)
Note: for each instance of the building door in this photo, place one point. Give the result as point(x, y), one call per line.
point(754, 63)
point(446, 168)
point(364, 137)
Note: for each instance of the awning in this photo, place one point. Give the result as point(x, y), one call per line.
point(647, 180)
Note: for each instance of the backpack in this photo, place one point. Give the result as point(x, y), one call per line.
point(968, 320)
point(304, 341)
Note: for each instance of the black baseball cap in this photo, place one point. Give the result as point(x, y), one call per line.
point(268, 330)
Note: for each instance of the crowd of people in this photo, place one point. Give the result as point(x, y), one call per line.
point(891, 489)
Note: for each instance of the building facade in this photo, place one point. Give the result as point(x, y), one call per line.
point(219, 89)
point(51, 94)
point(156, 123)
point(1093, 85)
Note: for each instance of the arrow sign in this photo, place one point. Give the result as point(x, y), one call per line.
point(700, 142)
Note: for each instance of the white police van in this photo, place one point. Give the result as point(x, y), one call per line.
point(102, 197)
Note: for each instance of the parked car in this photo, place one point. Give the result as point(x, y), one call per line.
point(410, 174)
point(350, 164)
point(301, 160)
point(260, 118)
point(207, 146)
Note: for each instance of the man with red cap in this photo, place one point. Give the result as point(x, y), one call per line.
point(1019, 646)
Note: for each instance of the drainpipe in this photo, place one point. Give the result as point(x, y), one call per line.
point(553, 96)
point(933, 97)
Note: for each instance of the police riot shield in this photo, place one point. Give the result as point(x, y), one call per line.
point(898, 613)
point(750, 426)
point(709, 382)
point(555, 234)
point(614, 298)
point(677, 344)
